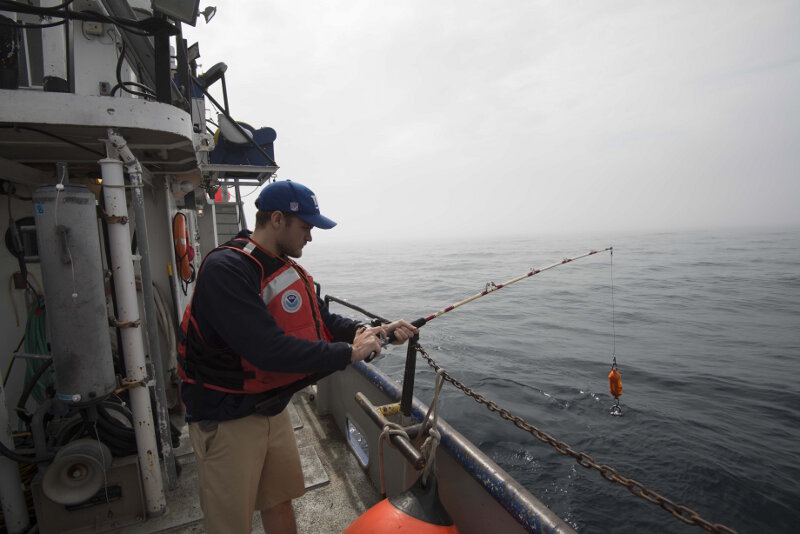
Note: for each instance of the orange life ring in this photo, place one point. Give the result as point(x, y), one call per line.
point(183, 251)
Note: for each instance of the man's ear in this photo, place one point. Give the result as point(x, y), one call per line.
point(276, 217)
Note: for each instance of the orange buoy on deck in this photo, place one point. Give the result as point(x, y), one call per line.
point(417, 510)
point(615, 383)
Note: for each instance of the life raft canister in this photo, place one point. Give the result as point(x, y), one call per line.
point(417, 510)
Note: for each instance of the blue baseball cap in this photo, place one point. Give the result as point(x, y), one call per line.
point(295, 198)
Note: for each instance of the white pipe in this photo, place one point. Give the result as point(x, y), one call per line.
point(132, 343)
point(12, 498)
point(137, 199)
point(54, 47)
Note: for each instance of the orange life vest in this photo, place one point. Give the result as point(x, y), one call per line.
point(288, 292)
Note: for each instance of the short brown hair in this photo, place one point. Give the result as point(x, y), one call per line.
point(263, 217)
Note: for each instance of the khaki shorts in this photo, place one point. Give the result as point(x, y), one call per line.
point(245, 465)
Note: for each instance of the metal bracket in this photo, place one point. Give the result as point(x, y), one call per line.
point(129, 324)
point(127, 383)
point(111, 219)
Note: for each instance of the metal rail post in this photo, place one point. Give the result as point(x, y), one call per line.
point(408, 377)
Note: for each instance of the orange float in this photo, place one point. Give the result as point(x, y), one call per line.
point(415, 511)
point(615, 383)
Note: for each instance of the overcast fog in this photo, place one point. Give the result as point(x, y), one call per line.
point(465, 118)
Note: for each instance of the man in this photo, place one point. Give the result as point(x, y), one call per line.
point(255, 325)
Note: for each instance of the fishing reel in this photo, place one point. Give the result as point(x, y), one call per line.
point(384, 341)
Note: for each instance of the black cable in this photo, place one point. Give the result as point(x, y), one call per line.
point(16, 240)
point(129, 25)
point(12, 3)
point(123, 85)
point(21, 458)
point(23, 399)
point(119, 408)
point(29, 26)
point(54, 136)
point(113, 421)
point(120, 443)
point(13, 359)
point(35, 292)
point(69, 432)
point(12, 192)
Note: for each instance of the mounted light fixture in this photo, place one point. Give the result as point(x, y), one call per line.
point(182, 10)
point(208, 13)
point(193, 53)
point(212, 75)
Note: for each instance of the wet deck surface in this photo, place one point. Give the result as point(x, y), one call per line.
point(337, 490)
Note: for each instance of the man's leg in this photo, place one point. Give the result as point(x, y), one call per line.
point(229, 456)
point(281, 477)
point(279, 519)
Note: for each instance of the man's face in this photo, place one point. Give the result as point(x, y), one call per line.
point(293, 235)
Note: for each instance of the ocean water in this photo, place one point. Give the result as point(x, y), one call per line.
point(706, 330)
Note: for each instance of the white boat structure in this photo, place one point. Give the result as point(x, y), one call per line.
point(104, 145)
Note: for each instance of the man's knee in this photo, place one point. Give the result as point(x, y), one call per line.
point(279, 518)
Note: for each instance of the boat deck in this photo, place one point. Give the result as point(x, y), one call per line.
point(337, 489)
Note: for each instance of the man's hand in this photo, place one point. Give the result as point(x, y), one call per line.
point(365, 343)
point(369, 339)
point(398, 331)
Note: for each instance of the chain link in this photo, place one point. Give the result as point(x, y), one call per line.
point(682, 513)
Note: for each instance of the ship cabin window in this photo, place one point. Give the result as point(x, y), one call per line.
point(31, 57)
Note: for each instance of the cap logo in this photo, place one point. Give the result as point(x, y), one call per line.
point(291, 301)
point(314, 198)
point(294, 206)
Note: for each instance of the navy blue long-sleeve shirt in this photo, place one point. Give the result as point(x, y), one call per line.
point(230, 312)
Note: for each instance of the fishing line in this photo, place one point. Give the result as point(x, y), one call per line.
point(614, 377)
point(613, 319)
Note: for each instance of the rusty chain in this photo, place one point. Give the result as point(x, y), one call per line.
point(682, 513)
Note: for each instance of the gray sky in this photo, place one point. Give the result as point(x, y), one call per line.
point(457, 118)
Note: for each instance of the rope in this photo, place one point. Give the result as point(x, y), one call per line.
point(428, 448)
point(391, 429)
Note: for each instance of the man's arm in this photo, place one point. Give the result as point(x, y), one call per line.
point(341, 328)
point(229, 311)
point(345, 329)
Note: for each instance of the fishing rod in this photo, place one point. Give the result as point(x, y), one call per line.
point(276, 396)
point(491, 287)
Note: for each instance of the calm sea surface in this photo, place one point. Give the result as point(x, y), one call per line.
point(707, 339)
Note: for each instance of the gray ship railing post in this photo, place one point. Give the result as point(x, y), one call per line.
point(408, 377)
